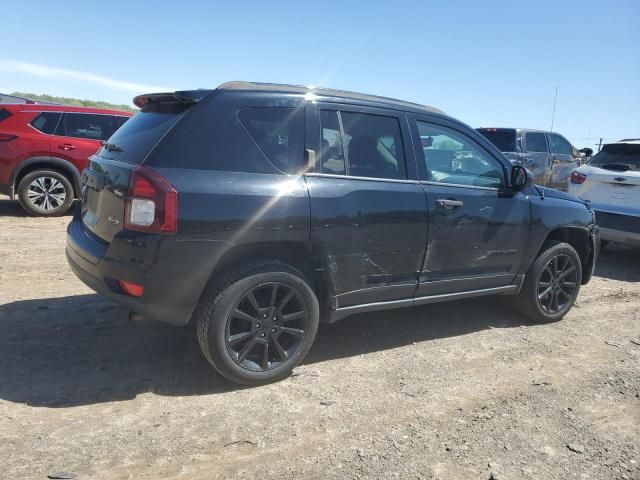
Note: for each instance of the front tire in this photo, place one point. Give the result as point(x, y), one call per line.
point(551, 285)
point(258, 322)
point(45, 193)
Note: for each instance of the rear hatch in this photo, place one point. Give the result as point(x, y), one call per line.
point(106, 179)
point(505, 140)
point(612, 181)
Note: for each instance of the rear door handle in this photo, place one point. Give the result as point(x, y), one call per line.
point(448, 203)
point(67, 146)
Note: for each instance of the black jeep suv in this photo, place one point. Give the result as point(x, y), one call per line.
point(259, 210)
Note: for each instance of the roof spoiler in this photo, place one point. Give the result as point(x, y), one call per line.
point(186, 97)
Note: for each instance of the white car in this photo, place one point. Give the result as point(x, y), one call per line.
point(610, 182)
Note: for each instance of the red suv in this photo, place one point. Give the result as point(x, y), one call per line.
point(43, 149)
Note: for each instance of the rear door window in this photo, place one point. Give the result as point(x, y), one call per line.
point(46, 122)
point(536, 142)
point(559, 145)
point(279, 132)
point(86, 125)
point(331, 158)
point(361, 145)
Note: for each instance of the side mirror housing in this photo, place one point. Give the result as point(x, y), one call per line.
point(587, 152)
point(520, 177)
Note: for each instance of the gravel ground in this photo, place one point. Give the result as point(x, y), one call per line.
point(448, 391)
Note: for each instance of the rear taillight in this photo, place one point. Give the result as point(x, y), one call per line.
point(5, 137)
point(131, 289)
point(152, 203)
point(577, 178)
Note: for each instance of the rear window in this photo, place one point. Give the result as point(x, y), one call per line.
point(46, 122)
point(279, 132)
point(92, 126)
point(504, 139)
point(4, 114)
point(139, 134)
point(621, 157)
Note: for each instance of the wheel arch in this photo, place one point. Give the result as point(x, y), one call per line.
point(300, 255)
point(51, 163)
point(580, 239)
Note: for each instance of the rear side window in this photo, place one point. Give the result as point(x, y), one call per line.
point(535, 142)
point(86, 125)
point(46, 122)
point(504, 139)
point(279, 132)
point(4, 114)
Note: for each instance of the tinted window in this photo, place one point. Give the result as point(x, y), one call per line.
point(279, 132)
point(559, 145)
point(620, 157)
point(451, 157)
point(139, 135)
point(119, 121)
point(535, 142)
point(46, 122)
point(373, 145)
point(504, 139)
point(210, 137)
point(4, 114)
point(86, 125)
point(331, 159)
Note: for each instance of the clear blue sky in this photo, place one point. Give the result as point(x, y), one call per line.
point(488, 63)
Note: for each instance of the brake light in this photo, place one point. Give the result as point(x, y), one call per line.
point(132, 289)
point(152, 203)
point(5, 137)
point(577, 178)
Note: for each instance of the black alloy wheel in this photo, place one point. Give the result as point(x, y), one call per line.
point(266, 326)
point(557, 284)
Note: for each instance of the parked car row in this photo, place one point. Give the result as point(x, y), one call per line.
point(548, 155)
point(43, 149)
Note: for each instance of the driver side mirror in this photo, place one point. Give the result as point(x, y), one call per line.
point(520, 177)
point(587, 152)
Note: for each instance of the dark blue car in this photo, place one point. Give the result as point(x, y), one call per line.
point(259, 210)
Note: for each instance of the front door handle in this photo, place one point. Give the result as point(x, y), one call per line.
point(67, 146)
point(448, 203)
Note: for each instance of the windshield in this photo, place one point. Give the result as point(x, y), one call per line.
point(619, 157)
point(503, 138)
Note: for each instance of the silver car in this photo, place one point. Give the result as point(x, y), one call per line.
point(549, 155)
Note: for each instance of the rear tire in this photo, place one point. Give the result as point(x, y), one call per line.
point(45, 193)
point(551, 285)
point(258, 322)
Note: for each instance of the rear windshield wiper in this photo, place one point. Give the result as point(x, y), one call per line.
point(112, 147)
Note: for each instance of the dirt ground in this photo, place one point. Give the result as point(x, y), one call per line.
point(448, 391)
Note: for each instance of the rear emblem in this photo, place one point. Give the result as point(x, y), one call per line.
point(113, 220)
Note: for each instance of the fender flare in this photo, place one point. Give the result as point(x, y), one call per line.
point(59, 164)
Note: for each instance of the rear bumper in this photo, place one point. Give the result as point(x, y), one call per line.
point(173, 274)
point(620, 228)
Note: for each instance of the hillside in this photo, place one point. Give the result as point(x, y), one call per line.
point(74, 101)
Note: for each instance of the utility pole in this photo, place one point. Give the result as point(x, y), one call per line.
point(553, 116)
